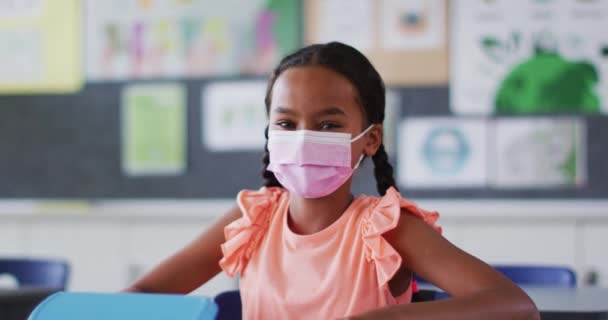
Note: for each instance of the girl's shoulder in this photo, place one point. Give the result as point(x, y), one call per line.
point(262, 202)
point(379, 216)
point(244, 235)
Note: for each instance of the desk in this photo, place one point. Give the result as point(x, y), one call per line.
point(557, 303)
point(17, 304)
point(571, 304)
point(554, 303)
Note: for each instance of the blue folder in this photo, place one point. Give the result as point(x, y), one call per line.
point(123, 306)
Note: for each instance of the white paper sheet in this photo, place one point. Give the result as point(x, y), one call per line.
point(392, 115)
point(438, 152)
point(539, 153)
point(347, 21)
point(413, 24)
point(21, 8)
point(21, 56)
point(234, 115)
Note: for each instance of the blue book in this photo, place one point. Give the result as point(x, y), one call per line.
point(124, 306)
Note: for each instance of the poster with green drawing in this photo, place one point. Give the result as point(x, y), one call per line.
point(529, 57)
point(154, 137)
point(539, 152)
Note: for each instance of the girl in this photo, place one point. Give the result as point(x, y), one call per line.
point(305, 248)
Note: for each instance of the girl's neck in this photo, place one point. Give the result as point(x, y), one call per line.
point(308, 216)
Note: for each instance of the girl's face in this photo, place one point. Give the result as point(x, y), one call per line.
point(319, 99)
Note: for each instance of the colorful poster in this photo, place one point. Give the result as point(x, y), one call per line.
point(442, 153)
point(347, 21)
point(413, 24)
point(234, 115)
point(529, 57)
point(154, 132)
point(539, 152)
point(39, 46)
point(133, 39)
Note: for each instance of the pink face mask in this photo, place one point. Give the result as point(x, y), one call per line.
point(312, 164)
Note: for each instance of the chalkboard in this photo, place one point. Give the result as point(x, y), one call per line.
point(68, 146)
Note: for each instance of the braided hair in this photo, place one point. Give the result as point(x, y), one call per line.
point(354, 66)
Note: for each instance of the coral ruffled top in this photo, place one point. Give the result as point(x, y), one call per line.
point(341, 270)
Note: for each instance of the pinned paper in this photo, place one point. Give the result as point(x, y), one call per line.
point(154, 131)
point(152, 39)
point(442, 153)
point(413, 24)
point(392, 116)
point(347, 21)
point(539, 153)
point(529, 57)
point(234, 116)
point(40, 46)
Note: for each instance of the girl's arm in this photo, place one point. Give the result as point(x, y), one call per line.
point(190, 267)
point(478, 291)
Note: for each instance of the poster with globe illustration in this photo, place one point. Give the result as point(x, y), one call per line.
point(529, 56)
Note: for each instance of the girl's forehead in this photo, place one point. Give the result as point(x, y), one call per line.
point(314, 87)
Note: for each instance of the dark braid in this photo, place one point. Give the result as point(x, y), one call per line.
point(355, 67)
point(383, 171)
point(269, 179)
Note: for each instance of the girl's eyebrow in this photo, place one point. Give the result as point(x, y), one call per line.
point(325, 112)
point(283, 110)
point(331, 112)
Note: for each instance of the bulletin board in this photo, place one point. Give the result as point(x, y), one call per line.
point(69, 146)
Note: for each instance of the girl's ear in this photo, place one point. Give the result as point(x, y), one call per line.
point(374, 140)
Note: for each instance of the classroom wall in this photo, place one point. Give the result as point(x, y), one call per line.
point(110, 245)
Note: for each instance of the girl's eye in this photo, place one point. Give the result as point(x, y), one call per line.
point(329, 126)
point(285, 124)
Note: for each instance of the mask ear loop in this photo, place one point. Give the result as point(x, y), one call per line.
point(362, 133)
point(359, 162)
point(357, 138)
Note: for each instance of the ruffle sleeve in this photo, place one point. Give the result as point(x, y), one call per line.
point(383, 217)
point(244, 234)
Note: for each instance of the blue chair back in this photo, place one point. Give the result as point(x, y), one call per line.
point(539, 276)
point(37, 272)
point(229, 304)
point(124, 306)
